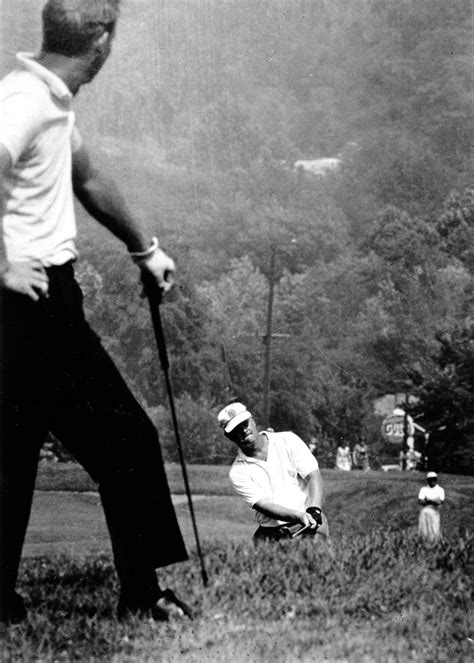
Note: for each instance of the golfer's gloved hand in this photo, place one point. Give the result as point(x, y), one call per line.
point(162, 267)
point(315, 513)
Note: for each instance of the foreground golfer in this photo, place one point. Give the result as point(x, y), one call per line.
point(276, 474)
point(56, 375)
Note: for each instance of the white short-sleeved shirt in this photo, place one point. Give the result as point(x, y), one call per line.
point(435, 493)
point(280, 478)
point(37, 129)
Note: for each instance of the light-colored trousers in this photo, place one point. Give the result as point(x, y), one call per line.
point(429, 523)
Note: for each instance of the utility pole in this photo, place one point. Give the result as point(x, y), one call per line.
point(407, 385)
point(230, 387)
point(405, 434)
point(268, 337)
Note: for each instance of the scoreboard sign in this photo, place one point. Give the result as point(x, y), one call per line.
point(393, 428)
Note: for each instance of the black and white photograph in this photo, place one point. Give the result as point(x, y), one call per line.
point(236, 331)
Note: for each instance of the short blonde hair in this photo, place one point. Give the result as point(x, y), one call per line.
point(70, 27)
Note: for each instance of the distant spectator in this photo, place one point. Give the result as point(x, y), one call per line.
point(413, 459)
point(430, 497)
point(343, 458)
point(402, 460)
point(360, 456)
point(313, 446)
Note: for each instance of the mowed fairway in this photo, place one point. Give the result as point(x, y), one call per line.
point(73, 523)
point(377, 594)
point(66, 519)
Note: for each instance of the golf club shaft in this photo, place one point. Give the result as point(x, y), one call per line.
point(153, 294)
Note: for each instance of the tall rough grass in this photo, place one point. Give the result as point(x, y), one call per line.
point(385, 596)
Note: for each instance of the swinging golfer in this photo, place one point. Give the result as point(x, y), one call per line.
point(56, 375)
point(276, 474)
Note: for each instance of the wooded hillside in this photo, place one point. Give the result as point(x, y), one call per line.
point(200, 113)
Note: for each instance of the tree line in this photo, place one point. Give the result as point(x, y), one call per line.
point(201, 113)
point(373, 264)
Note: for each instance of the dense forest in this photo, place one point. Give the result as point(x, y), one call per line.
point(201, 113)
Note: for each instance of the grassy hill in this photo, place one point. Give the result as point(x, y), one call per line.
point(376, 594)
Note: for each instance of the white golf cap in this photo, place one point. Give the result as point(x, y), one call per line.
point(233, 415)
point(431, 475)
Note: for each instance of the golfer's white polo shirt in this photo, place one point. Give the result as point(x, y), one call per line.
point(280, 478)
point(37, 129)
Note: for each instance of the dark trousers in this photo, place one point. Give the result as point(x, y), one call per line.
point(56, 377)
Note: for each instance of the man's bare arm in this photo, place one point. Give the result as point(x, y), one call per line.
point(101, 197)
point(280, 512)
point(314, 481)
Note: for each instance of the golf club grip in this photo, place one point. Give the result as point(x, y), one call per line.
point(153, 294)
point(151, 288)
point(294, 530)
point(299, 530)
